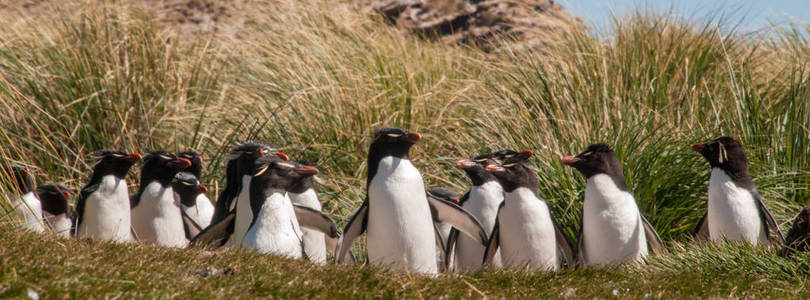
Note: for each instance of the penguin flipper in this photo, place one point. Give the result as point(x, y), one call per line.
point(316, 220)
point(191, 228)
point(451, 244)
point(652, 236)
point(701, 231)
point(216, 234)
point(450, 213)
point(563, 244)
point(444, 263)
point(77, 217)
point(494, 239)
point(767, 219)
point(581, 242)
point(355, 227)
point(331, 249)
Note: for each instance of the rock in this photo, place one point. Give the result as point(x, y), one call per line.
point(525, 23)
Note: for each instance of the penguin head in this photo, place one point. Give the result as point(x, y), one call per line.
point(161, 166)
point(304, 183)
point(474, 167)
point(18, 178)
point(392, 142)
point(280, 174)
point(596, 159)
point(188, 187)
point(242, 158)
point(444, 194)
point(114, 162)
point(503, 154)
point(196, 162)
point(54, 198)
point(725, 153)
point(513, 172)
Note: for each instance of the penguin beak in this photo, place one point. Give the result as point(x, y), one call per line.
point(698, 147)
point(203, 188)
point(464, 163)
point(455, 200)
point(66, 194)
point(182, 163)
point(493, 168)
point(133, 157)
point(199, 159)
point(259, 153)
point(570, 160)
point(283, 156)
point(307, 170)
point(413, 137)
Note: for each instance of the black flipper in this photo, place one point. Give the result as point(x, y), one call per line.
point(450, 213)
point(356, 226)
point(652, 237)
point(494, 239)
point(316, 220)
point(701, 232)
point(581, 242)
point(451, 243)
point(767, 219)
point(191, 228)
point(216, 235)
point(86, 191)
point(563, 244)
point(444, 263)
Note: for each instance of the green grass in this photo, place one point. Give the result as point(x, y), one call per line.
point(316, 81)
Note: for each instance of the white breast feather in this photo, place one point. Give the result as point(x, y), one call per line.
point(157, 218)
point(244, 214)
point(275, 230)
point(107, 213)
point(314, 241)
point(733, 212)
point(528, 239)
point(30, 209)
point(482, 203)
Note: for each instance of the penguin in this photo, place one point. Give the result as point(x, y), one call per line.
point(196, 163)
point(444, 257)
point(103, 207)
point(156, 215)
point(274, 226)
point(612, 230)
point(798, 238)
point(25, 200)
point(397, 213)
point(482, 201)
point(235, 198)
point(525, 231)
point(735, 209)
point(54, 198)
point(302, 192)
point(196, 209)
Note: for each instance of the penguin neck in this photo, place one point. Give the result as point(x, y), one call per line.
point(379, 152)
point(187, 196)
point(103, 169)
point(617, 179)
point(301, 185)
point(478, 175)
point(53, 204)
point(739, 178)
point(602, 187)
point(521, 194)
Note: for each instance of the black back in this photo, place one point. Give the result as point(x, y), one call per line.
point(600, 159)
point(516, 173)
point(20, 179)
point(388, 142)
point(196, 162)
point(728, 154)
point(188, 187)
point(160, 167)
point(241, 161)
point(54, 198)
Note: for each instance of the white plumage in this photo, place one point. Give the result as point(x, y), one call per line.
point(314, 241)
point(106, 213)
point(482, 203)
point(201, 212)
point(30, 209)
point(157, 218)
point(527, 236)
point(733, 212)
point(244, 214)
point(276, 229)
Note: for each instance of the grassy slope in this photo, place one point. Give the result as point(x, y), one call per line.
point(315, 81)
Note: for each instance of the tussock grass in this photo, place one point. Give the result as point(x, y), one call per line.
point(315, 80)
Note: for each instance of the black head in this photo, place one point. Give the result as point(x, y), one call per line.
point(196, 162)
point(243, 156)
point(304, 183)
point(444, 194)
point(161, 166)
point(275, 173)
point(18, 178)
point(501, 155)
point(113, 162)
point(597, 159)
point(54, 198)
point(513, 172)
point(392, 142)
point(188, 187)
point(727, 154)
point(474, 167)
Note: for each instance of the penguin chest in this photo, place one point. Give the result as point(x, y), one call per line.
point(31, 210)
point(275, 229)
point(611, 223)
point(157, 217)
point(106, 213)
point(400, 226)
point(733, 212)
point(201, 212)
point(527, 236)
point(314, 241)
point(482, 203)
point(61, 224)
point(244, 213)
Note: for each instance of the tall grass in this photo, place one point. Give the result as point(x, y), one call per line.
point(315, 81)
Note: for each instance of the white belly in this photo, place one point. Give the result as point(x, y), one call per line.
point(201, 212)
point(107, 213)
point(612, 225)
point(157, 218)
point(483, 204)
point(61, 224)
point(528, 239)
point(275, 230)
point(244, 214)
point(314, 241)
point(733, 213)
point(400, 227)
point(30, 209)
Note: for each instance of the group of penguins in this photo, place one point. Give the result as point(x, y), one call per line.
point(269, 205)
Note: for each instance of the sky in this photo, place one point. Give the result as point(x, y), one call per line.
point(752, 14)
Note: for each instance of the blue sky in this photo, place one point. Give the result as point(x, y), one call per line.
point(754, 14)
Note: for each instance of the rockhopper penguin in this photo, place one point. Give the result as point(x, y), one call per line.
point(24, 199)
point(54, 199)
point(103, 208)
point(156, 214)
